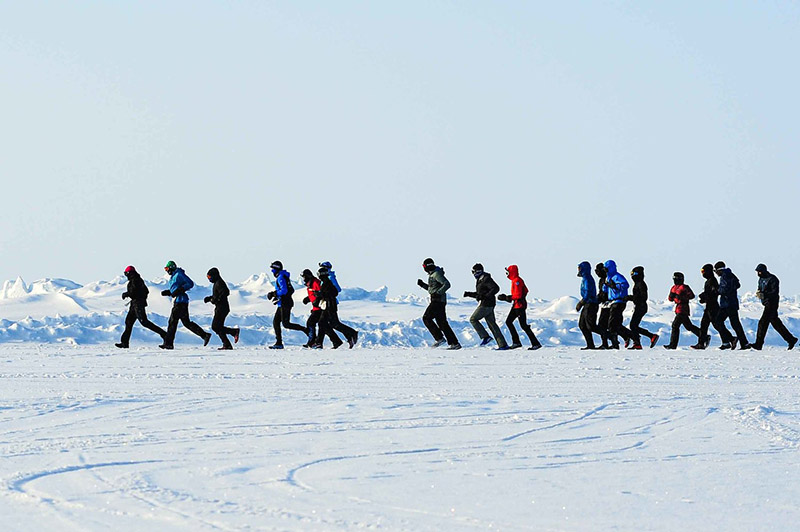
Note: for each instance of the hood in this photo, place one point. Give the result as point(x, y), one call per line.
point(584, 269)
point(513, 271)
point(637, 273)
point(611, 266)
point(213, 275)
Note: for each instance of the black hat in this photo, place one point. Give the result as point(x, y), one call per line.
point(323, 271)
point(677, 275)
point(638, 270)
point(719, 265)
point(707, 270)
point(428, 265)
point(477, 267)
point(213, 274)
point(761, 268)
point(306, 273)
point(276, 265)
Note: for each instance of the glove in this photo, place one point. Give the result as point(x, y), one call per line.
point(166, 293)
point(207, 299)
point(579, 306)
point(272, 295)
point(504, 297)
point(611, 284)
point(701, 298)
point(471, 294)
point(422, 284)
point(125, 295)
point(306, 300)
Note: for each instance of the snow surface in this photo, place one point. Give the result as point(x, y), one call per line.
point(94, 438)
point(61, 311)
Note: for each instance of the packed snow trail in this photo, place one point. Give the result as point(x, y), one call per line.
point(411, 439)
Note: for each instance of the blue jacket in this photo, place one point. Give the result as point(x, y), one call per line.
point(588, 287)
point(618, 292)
point(332, 277)
point(282, 285)
point(728, 285)
point(180, 282)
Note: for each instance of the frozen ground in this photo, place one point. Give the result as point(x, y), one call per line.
point(93, 438)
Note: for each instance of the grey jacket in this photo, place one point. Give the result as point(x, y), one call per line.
point(438, 285)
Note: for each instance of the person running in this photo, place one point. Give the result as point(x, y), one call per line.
point(769, 295)
point(179, 284)
point(588, 305)
point(710, 298)
point(681, 294)
point(137, 292)
point(729, 301)
point(219, 297)
point(330, 312)
point(282, 298)
point(603, 303)
point(338, 325)
point(486, 290)
point(313, 287)
point(616, 288)
point(639, 299)
point(519, 303)
point(435, 316)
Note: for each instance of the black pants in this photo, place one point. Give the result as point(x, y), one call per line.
point(435, 319)
point(138, 312)
point(316, 318)
point(180, 313)
point(602, 324)
point(520, 314)
point(732, 314)
point(770, 317)
point(282, 316)
point(635, 326)
point(711, 317)
point(682, 319)
point(588, 323)
point(218, 325)
point(615, 327)
point(330, 317)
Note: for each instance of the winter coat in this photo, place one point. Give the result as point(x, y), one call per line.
point(284, 289)
point(313, 288)
point(179, 284)
point(728, 285)
point(639, 293)
point(332, 277)
point(710, 295)
point(220, 293)
point(769, 288)
point(137, 290)
point(486, 290)
point(438, 285)
point(519, 291)
point(588, 288)
point(618, 290)
point(327, 295)
point(681, 294)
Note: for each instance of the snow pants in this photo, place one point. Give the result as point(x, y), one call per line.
point(521, 315)
point(588, 323)
point(283, 315)
point(637, 331)
point(487, 313)
point(137, 312)
point(435, 319)
point(180, 313)
point(732, 315)
point(711, 316)
point(317, 337)
point(615, 327)
point(218, 326)
point(770, 317)
point(682, 319)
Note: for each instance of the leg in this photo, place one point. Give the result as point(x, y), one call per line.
point(691, 327)
point(336, 324)
point(523, 324)
point(675, 333)
point(733, 316)
point(602, 325)
point(192, 326)
point(311, 325)
point(781, 328)
point(276, 326)
point(444, 325)
point(705, 321)
point(475, 321)
point(512, 316)
point(172, 326)
point(130, 319)
point(330, 322)
point(428, 320)
point(763, 325)
point(586, 326)
point(141, 315)
point(636, 320)
point(286, 314)
point(719, 326)
point(218, 326)
point(496, 332)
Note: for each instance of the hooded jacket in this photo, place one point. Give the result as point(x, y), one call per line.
point(681, 294)
point(220, 291)
point(438, 285)
point(710, 294)
point(179, 284)
point(327, 294)
point(728, 286)
point(136, 289)
point(588, 286)
point(519, 291)
point(769, 288)
point(486, 290)
point(313, 287)
point(618, 291)
point(639, 292)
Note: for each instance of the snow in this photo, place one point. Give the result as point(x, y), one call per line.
point(94, 438)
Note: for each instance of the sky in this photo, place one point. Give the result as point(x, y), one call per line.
point(376, 134)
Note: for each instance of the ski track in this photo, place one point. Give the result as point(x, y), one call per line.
point(392, 439)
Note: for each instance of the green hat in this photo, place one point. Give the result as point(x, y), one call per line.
point(170, 266)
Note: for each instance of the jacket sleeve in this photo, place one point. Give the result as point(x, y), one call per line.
point(444, 284)
point(280, 286)
point(688, 294)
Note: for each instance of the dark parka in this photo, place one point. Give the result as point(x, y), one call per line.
point(710, 294)
point(728, 286)
point(137, 291)
point(769, 290)
point(486, 290)
point(220, 292)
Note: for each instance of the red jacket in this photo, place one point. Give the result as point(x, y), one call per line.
point(681, 294)
point(518, 289)
point(312, 296)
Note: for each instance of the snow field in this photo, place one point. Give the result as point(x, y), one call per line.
point(397, 439)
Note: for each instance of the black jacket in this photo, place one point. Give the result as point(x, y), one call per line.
point(486, 290)
point(327, 295)
point(769, 289)
point(137, 290)
point(220, 293)
point(710, 294)
point(638, 294)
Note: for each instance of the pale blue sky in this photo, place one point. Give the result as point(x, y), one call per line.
point(375, 134)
